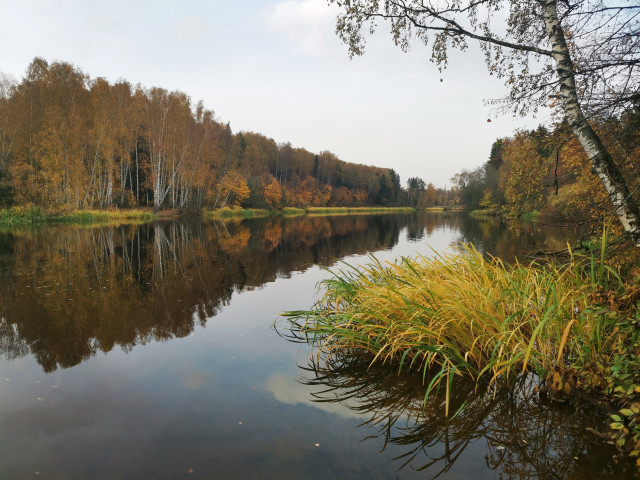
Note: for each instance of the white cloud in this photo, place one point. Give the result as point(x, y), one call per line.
point(308, 24)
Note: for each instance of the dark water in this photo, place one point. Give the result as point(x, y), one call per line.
point(148, 352)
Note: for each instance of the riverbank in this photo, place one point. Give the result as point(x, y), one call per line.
point(293, 211)
point(356, 210)
point(23, 216)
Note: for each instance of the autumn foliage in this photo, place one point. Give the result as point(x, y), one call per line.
point(68, 141)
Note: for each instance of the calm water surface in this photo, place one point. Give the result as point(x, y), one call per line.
point(148, 352)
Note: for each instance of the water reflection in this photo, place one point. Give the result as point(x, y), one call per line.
point(519, 435)
point(68, 293)
point(221, 402)
point(492, 235)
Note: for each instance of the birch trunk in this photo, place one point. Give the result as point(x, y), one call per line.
point(602, 164)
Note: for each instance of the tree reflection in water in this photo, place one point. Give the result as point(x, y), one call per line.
point(522, 435)
point(67, 293)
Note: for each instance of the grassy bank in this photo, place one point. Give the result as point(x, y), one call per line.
point(227, 212)
point(574, 325)
point(23, 217)
point(356, 210)
point(294, 211)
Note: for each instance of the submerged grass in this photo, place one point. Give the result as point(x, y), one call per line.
point(460, 315)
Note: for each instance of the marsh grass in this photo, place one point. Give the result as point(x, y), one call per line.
point(459, 314)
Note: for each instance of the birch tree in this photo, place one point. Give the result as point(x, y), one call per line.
point(582, 54)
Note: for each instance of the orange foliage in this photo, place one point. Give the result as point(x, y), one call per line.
point(273, 193)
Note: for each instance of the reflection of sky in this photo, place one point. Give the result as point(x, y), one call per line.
point(286, 389)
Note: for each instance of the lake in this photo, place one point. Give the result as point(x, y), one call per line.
point(148, 351)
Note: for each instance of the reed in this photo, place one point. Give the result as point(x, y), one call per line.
point(458, 314)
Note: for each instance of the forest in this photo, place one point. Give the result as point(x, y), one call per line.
point(71, 142)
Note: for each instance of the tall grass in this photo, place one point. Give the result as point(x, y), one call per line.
point(458, 315)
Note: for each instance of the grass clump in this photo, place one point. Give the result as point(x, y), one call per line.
point(460, 315)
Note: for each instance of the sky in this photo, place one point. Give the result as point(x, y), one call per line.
point(277, 68)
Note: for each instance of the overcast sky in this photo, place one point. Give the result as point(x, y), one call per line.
point(277, 68)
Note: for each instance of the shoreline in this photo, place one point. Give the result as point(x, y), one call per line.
point(21, 216)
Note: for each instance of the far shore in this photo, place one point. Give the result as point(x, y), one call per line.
point(28, 216)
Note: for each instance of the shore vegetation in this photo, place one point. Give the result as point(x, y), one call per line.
point(572, 325)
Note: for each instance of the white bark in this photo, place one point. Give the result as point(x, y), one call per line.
point(602, 164)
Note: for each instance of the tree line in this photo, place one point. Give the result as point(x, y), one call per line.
point(68, 141)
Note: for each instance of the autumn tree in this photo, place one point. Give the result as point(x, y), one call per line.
point(430, 195)
point(585, 54)
point(525, 182)
point(272, 192)
point(232, 190)
point(7, 137)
